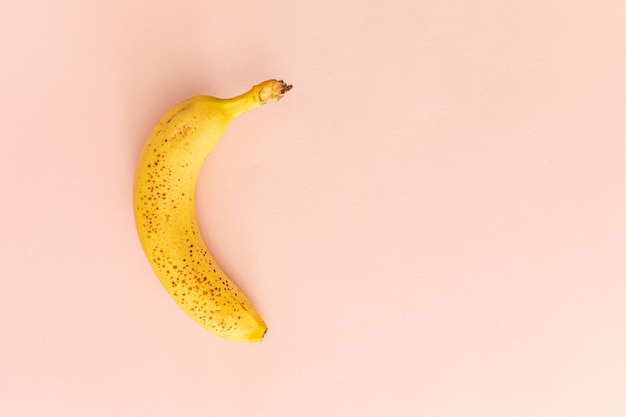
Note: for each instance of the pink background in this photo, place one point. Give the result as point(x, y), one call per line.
point(432, 223)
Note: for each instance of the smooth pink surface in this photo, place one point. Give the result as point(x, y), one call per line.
point(432, 223)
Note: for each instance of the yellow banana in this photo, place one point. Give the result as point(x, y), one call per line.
point(164, 206)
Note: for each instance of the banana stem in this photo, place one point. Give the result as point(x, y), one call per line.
point(257, 96)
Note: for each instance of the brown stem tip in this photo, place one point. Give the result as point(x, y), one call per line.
point(273, 90)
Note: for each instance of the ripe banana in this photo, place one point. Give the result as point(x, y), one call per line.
point(164, 207)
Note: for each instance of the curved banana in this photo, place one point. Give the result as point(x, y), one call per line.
point(164, 206)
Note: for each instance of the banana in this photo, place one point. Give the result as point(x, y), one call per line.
point(165, 216)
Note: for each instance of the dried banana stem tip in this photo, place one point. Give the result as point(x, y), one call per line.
point(273, 90)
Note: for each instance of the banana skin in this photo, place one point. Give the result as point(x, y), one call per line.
point(165, 216)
